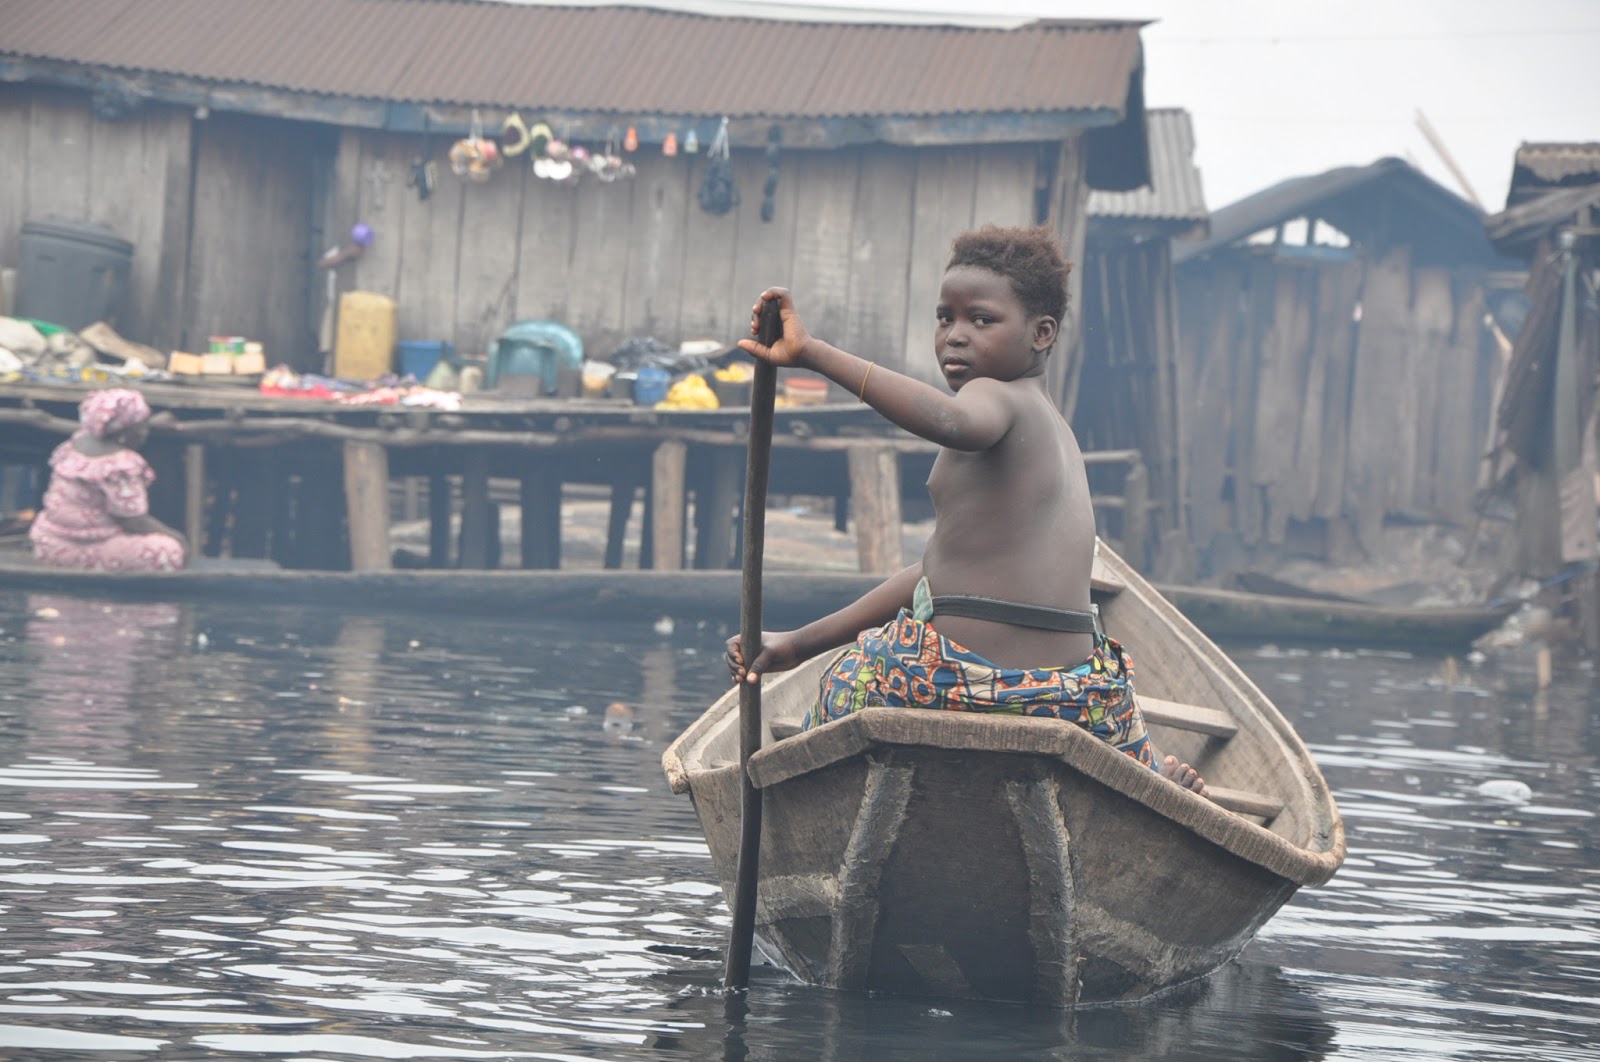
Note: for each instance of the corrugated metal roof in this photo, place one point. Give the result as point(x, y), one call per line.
point(1554, 163)
point(1174, 192)
point(596, 59)
point(1346, 197)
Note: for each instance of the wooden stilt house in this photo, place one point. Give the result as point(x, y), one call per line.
point(1127, 396)
point(1334, 364)
point(1547, 420)
point(233, 142)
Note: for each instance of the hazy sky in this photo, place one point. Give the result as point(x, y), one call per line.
point(1281, 88)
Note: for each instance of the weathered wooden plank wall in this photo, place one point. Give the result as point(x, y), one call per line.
point(250, 256)
point(1127, 398)
point(1336, 391)
point(223, 212)
point(132, 175)
point(860, 235)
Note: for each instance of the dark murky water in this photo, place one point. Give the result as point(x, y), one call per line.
point(270, 832)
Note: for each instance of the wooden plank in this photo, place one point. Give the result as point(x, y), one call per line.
point(1191, 717)
point(1210, 305)
point(540, 499)
point(601, 248)
point(1069, 216)
point(715, 500)
point(1433, 321)
point(439, 505)
point(1004, 193)
point(1244, 802)
point(1286, 487)
point(1376, 402)
point(1248, 511)
point(826, 189)
point(1459, 427)
point(875, 504)
point(59, 143)
point(126, 193)
point(1338, 294)
point(544, 258)
point(667, 467)
point(876, 309)
point(16, 110)
point(709, 306)
point(476, 511)
point(366, 492)
point(941, 197)
point(194, 497)
point(383, 202)
point(486, 272)
point(248, 269)
point(653, 297)
point(430, 246)
point(763, 251)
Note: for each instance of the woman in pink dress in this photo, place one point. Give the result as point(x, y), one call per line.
point(96, 512)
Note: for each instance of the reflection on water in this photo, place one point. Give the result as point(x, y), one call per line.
point(274, 832)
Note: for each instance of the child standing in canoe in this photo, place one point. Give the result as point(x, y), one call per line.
point(996, 616)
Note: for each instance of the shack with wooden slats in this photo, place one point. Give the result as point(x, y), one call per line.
point(1547, 424)
point(1127, 390)
point(1335, 364)
point(232, 156)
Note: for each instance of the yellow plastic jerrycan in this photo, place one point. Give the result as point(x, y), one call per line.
point(364, 346)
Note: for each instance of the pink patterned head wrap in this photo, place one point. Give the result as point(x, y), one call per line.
point(105, 413)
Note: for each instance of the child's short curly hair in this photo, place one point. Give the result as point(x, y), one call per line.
point(1028, 257)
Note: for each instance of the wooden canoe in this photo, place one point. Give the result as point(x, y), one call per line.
point(946, 854)
point(1247, 616)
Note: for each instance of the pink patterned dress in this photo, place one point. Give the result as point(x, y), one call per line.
point(76, 527)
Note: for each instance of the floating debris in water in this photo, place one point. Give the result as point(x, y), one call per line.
point(1506, 791)
point(664, 626)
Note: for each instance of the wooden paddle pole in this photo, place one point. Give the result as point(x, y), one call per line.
point(741, 935)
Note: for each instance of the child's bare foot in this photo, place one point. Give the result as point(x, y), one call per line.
point(1183, 774)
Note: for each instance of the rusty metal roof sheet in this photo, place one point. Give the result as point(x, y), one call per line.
point(1174, 192)
point(1554, 163)
point(597, 59)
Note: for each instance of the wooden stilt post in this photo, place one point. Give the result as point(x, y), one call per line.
point(541, 517)
point(875, 502)
point(713, 511)
point(194, 497)
point(617, 521)
point(667, 469)
point(366, 494)
point(475, 529)
point(438, 520)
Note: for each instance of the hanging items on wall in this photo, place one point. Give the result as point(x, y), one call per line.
point(631, 141)
point(514, 136)
point(691, 142)
point(475, 156)
point(669, 146)
point(769, 191)
point(424, 172)
point(718, 194)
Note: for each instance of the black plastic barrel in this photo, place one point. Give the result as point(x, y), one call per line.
point(73, 273)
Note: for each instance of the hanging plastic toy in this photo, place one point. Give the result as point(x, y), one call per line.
point(669, 146)
point(631, 141)
point(691, 142)
point(474, 156)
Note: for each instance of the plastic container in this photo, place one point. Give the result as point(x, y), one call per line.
point(417, 357)
point(651, 386)
point(530, 355)
point(73, 273)
point(364, 346)
point(805, 390)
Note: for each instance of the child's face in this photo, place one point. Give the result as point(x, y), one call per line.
point(983, 329)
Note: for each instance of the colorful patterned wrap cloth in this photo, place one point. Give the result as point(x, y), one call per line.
point(907, 664)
